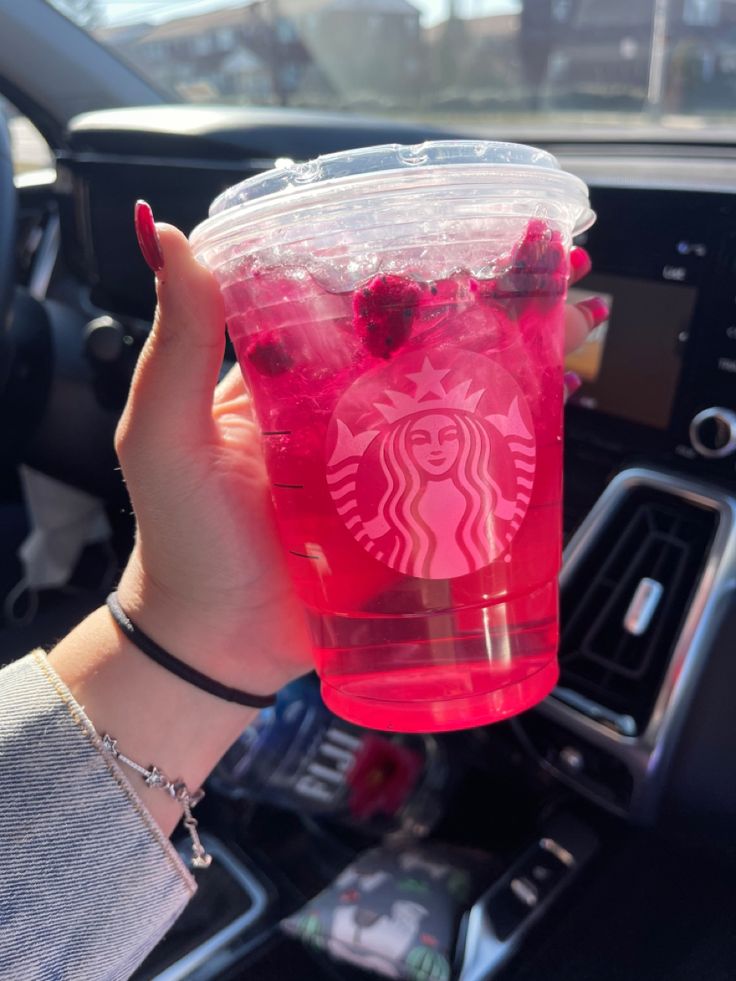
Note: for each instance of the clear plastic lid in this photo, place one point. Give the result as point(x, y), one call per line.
point(437, 163)
point(382, 159)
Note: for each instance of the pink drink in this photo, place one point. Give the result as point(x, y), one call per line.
point(410, 400)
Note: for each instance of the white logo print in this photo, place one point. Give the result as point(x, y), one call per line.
point(430, 462)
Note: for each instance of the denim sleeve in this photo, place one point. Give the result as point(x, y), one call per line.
point(88, 882)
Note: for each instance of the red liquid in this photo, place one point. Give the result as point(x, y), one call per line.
point(412, 432)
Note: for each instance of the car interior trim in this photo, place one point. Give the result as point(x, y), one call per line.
point(200, 955)
point(45, 259)
point(496, 924)
point(144, 160)
point(644, 755)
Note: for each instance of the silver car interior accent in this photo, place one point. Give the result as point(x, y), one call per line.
point(643, 606)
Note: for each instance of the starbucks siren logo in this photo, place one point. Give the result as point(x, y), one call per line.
point(431, 462)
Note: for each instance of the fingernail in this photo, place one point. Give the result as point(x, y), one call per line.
point(596, 309)
point(580, 261)
point(148, 240)
point(572, 383)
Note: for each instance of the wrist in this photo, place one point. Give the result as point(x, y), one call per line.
point(242, 649)
point(155, 716)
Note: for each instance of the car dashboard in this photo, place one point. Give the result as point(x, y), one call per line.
point(638, 730)
point(663, 249)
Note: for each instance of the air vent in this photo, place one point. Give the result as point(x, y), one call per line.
point(623, 608)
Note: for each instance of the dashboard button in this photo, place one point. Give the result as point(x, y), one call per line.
point(687, 452)
point(571, 759)
point(525, 891)
point(713, 432)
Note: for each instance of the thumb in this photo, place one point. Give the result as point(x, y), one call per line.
point(171, 393)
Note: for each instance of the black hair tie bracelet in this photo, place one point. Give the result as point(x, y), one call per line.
point(184, 671)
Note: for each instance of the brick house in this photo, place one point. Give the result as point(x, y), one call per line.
point(251, 53)
point(350, 53)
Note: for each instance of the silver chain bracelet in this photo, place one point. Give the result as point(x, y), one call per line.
point(177, 789)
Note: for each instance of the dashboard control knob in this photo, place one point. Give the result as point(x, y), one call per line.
point(104, 340)
point(111, 354)
point(713, 432)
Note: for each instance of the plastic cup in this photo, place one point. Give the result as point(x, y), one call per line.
point(398, 316)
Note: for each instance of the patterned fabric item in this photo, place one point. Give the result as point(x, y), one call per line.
point(395, 910)
point(89, 882)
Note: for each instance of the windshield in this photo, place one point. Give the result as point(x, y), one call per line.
point(652, 63)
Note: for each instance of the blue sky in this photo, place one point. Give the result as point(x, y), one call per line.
point(118, 11)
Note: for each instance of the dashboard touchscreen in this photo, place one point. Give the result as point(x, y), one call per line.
point(630, 366)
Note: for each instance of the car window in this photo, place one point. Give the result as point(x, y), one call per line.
point(664, 63)
point(30, 150)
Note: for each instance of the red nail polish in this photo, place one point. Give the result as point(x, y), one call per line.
point(596, 309)
point(580, 261)
point(572, 383)
point(148, 240)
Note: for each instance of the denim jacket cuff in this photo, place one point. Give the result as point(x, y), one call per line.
point(90, 882)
